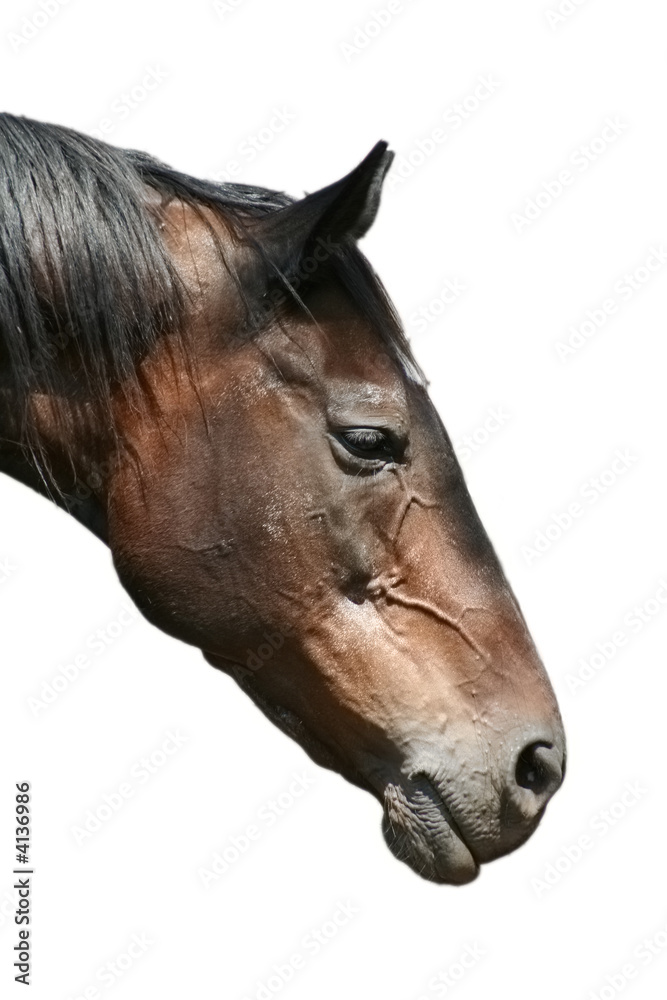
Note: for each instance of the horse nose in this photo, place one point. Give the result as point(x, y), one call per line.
point(538, 773)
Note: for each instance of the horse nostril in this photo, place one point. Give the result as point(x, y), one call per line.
point(540, 769)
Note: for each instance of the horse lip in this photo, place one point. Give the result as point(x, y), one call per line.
point(424, 781)
point(419, 829)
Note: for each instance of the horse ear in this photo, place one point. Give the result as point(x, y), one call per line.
point(343, 210)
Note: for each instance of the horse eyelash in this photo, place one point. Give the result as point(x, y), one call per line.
point(365, 436)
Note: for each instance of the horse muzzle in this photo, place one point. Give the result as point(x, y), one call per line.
point(445, 819)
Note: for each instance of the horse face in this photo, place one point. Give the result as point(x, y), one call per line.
point(304, 521)
point(385, 636)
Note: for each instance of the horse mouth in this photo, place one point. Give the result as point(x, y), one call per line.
point(420, 830)
point(418, 826)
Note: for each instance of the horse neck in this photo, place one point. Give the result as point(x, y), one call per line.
point(54, 466)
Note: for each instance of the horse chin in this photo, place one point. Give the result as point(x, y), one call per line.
point(293, 726)
point(420, 830)
point(418, 825)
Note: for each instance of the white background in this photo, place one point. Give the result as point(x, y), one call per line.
point(223, 75)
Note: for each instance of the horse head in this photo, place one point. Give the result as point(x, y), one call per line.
point(277, 488)
point(300, 515)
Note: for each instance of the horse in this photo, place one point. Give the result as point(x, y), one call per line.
point(213, 380)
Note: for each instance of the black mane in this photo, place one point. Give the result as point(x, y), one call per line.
point(86, 282)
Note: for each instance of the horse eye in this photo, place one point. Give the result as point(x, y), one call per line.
point(367, 442)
